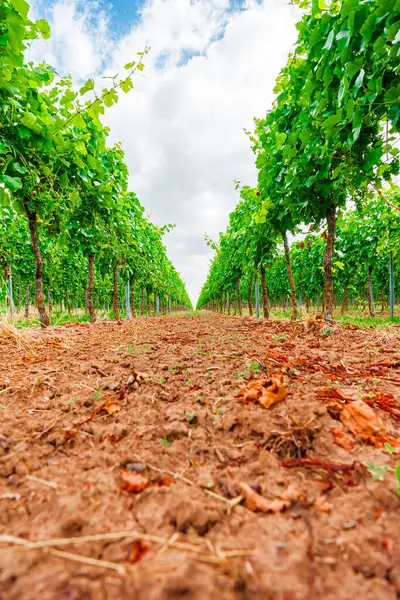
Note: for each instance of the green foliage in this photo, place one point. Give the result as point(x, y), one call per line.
point(330, 136)
point(63, 192)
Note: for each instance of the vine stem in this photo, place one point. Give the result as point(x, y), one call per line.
point(384, 198)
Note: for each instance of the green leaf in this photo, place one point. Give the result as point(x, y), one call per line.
point(110, 97)
point(87, 87)
point(44, 28)
point(280, 140)
point(329, 41)
point(79, 121)
point(350, 109)
point(129, 65)
point(351, 69)
point(19, 168)
point(358, 82)
point(331, 121)
point(81, 148)
point(126, 85)
point(357, 121)
point(12, 183)
point(21, 6)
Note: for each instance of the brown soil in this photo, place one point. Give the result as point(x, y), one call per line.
point(166, 429)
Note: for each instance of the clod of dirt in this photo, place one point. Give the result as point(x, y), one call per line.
point(342, 439)
point(174, 431)
point(267, 391)
point(193, 514)
point(135, 378)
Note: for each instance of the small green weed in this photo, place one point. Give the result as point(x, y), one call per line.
point(327, 332)
point(165, 442)
point(256, 367)
point(70, 401)
point(390, 448)
point(192, 417)
point(289, 371)
point(377, 471)
point(239, 375)
point(98, 393)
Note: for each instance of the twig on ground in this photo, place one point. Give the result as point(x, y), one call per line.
point(51, 484)
point(94, 562)
point(174, 475)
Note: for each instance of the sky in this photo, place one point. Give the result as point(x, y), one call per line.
point(210, 71)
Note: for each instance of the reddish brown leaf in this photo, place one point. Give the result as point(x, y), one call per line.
point(112, 437)
point(110, 407)
point(165, 481)
point(276, 356)
point(137, 551)
point(265, 391)
point(384, 401)
point(133, 482)
point(256, 502)
point(361, 419)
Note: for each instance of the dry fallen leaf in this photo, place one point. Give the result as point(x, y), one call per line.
point(133, 482)
point(138, 549)
point(256, 502)
point(342, 439)
point(361, 419)
point(267, 391)
point(110, 407)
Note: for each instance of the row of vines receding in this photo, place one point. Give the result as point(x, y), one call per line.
point(327, 155)
point(70, 229)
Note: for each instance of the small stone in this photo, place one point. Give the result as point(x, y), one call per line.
point(350, 525)
point(136, 467)
point(13, 481)
point(205, 480)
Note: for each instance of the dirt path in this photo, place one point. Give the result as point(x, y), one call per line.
point(138, 427)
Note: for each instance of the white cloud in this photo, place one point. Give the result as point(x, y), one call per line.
point(182, 126)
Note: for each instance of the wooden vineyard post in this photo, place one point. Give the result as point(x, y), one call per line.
point(27, 300)
point(239, 301)
point(370, 294)
point(157, 306)
point(257, 292)
point(391, 285)
point(10, 291)
point(127, 300)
